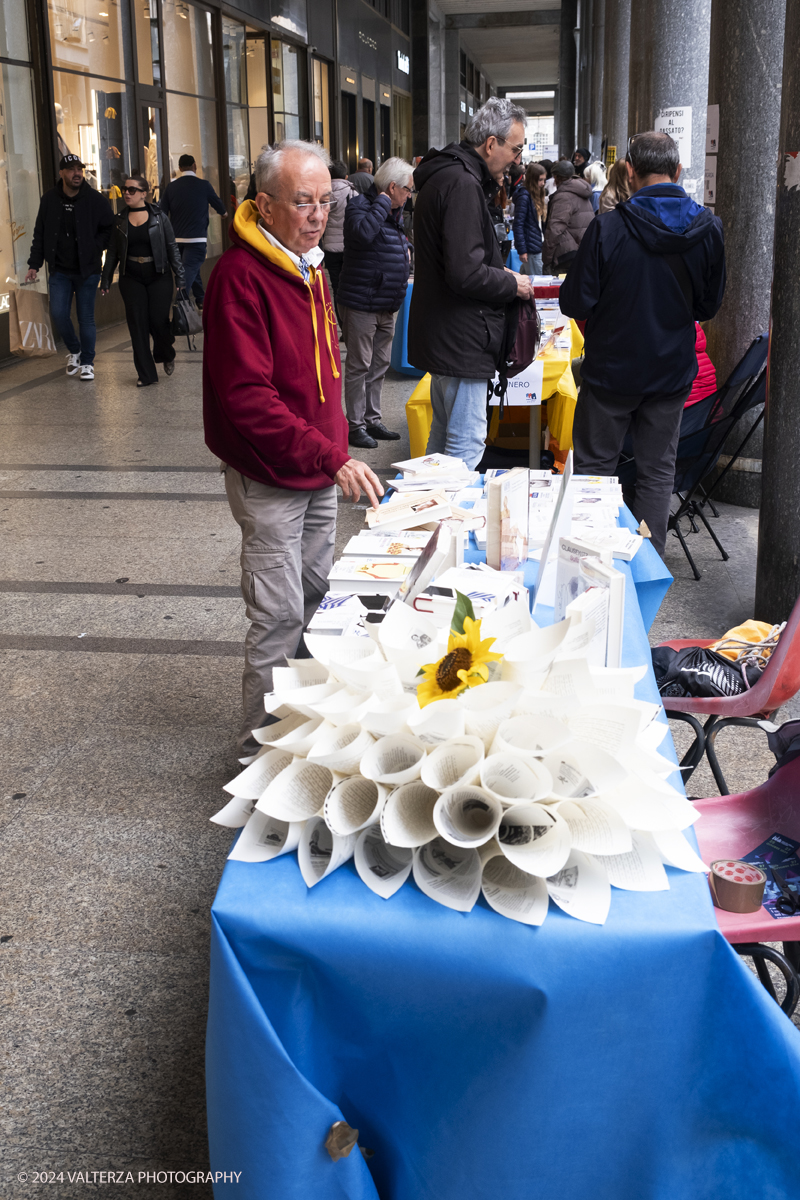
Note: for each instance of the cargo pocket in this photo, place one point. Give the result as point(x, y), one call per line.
point(264, 583)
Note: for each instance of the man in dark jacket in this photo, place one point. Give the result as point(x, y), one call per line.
point(643, 274)
point(186, 202)
point(363, 179)
point(73, 228)
point(461, 288)
point(569, 215)
point(372, 286)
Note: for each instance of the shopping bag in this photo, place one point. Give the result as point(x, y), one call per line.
point(30, 327)
point(186, 320)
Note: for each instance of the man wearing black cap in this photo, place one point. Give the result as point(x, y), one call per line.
point(186, 201)
point(73, 228)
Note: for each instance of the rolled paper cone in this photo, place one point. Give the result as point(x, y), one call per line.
point(438, 722)
point(535, 839)
point(529, 736)
point(581, 888)
point(536, 703)
point(455, 762)
point(343, 707)
point(332, 651)
point(450, 875)
point(385, 717)
point(407, 815)
point(269, 734)
point(342, 749)
point(353, 804)
point(298, 792)
point(531, 654)
point(252, 781)
point(321, 852)
point(384, 869)
point(580, 769)
point(596, 827)
point(514, 893)
point(381, 678)
point(486, 706)
point(300, 740)
point(302, 673)
point(406, 635)
point(737, 886)
point(467, 816)
point(394, 760)
point(304, 699)
point(489, 850)
point(264, 838)
point(235, 814)
point(512, 779)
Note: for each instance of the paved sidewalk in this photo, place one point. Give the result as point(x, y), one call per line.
point(120, 641)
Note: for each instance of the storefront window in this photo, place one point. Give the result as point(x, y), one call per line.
point(288, 90)
point(95, 120)
point(234, 43)
point(401, 108)
point(257, 109)
point(193, 130)
point(233, 50)
point(188, 50)
point(14, 30)
point(147, 44)
point(19, 175)
point(238, 153)
point(322, 120)
point(90, 36)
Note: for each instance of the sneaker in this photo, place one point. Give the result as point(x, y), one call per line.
point(87, 371)
point(360, 438)
point(379, 431)
point(73, 364)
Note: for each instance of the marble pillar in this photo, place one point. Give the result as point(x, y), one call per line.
point(452, 89)
point(669, 52)
point(596, 129)
point(616, 66)
point(778, 575)
point(584, 72)
point(745, 80)
point(565, 132)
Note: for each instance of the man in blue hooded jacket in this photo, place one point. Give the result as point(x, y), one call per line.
point(643, 274)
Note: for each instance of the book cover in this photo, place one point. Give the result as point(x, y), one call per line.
point(368, 576)
point(403, 544)
point(781, 852)
point(513, 518)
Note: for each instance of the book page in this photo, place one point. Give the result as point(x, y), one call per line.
point(353, 804)
point(513, 893)
point(321, 852)
point(531, 736)
point(512, 778)
point(252, 781)
point(396, 759)
point(235, 814)
point(581, 888)
point(438, 722)
point(536, 839)
point(640, 870)
point(297, 793)
point(384, 869)
point(264, 838)
point(596, 828)
point(341, 749)
point(467, 816)
point(407, 816)
point(674, 849)
point(450, 875)
point(455, 762)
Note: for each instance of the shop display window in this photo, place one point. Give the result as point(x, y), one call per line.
point(188, 48)
point(90, 36)
point(94, 118)
point(14, 30)
point(288, 90)
point(20, 187)
point(322, 118)
point(147, 41)
point(192, 125)
point(257, 89)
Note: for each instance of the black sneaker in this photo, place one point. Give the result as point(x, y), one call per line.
point(361, 439)
point(169, 367)
point(383, 434)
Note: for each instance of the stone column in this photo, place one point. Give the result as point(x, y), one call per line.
point(584, 72)
point(778, 576)
point(616, 60)
point(598, 76)
point(566, 79)
point(452, 90)
point(669, 50)
point(747, 52)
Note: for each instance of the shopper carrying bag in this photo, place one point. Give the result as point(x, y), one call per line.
point(30, 328)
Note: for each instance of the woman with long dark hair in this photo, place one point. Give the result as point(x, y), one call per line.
point(143, 245)
point(530, 210)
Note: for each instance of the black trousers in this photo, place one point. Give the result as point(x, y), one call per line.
point(600, 426)
point(148, 297)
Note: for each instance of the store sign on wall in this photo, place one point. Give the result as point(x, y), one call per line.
point(5, 302)
point(403, 63)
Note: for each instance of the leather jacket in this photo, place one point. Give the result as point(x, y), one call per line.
point(162, 244)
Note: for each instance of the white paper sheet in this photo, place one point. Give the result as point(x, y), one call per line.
point(534, 838)
point(511, 778)
point(571, 679)
point(252, 781)
point(352, 804)
point(450, 875)
point(543, 704)
point(580, 769)
point(640, 870)
point(384, 869)
point(438, 722)
point(341, 749)
point(467, 816)
point(301, 673)
point(612, 727)
point(486, 706)
point(647, 807)
point(267, 735)
point(331, 652)
point(504, 624)
point(300, 739)
point(384, 717)
point(407, 815)
point(380, 678)
point(393, 760)
point(674, 849)
point(616, 683)
point(581, 888)
point(530, 737)
point(264, 838)
point(514, 893)
point(321, 852)
point(343, 707)
point(407, 635)
point(298, 793)
point(235, 814)
point(596, 827)
point(454, 763)
point(531, 654)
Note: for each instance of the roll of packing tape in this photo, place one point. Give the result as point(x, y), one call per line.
point(737, 886)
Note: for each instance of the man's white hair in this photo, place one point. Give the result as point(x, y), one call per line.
point(270, 162)
point(393, 170)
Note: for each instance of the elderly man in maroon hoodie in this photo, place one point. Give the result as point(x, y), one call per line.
point(272, 408)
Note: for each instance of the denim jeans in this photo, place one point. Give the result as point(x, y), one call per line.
point(533, 265)
point(459, 418)
point(193, 255)
point(62, 288)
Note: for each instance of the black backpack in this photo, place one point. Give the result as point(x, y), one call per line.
point(519, 347)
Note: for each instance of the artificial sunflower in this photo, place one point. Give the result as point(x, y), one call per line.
point(464, 665)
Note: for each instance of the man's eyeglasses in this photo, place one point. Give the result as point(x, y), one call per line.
point(631, 140)
point(517, 149)
point(304, 209)
point(132, 191)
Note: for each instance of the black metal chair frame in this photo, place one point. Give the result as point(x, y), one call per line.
point(705, 738)
point(787, 963)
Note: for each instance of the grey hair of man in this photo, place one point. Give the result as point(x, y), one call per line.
point(494, 119)
point(653, 153)
point(271, 161)
point(393, 170)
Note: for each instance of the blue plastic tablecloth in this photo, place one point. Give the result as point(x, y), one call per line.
point(482, 1059)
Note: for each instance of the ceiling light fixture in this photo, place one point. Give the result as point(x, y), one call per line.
point(530, 95)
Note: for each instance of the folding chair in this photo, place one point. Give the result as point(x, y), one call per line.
point(779, 682)
point(731, 826)
point(705, 428)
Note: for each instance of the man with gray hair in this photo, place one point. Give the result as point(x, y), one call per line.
point(461, 288)
point(272, 409)
point(372, 286)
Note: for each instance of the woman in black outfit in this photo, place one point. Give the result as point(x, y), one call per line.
point(143, 245)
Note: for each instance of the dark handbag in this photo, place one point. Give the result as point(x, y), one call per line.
point(698, 671)
point(186, 320)
point(520, 345)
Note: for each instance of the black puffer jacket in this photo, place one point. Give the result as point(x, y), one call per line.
point(94, 221)
point(461, 290)
point(376, 263)
point(162, 243)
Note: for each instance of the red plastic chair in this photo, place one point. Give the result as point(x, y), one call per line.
point(731, 826)
point(779, 682)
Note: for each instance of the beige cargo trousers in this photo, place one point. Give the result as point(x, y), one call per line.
point(287, 551)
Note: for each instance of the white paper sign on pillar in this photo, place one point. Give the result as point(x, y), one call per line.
point(711, 180)
point(525, 390)
point(677, 122)
point(712, 129)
